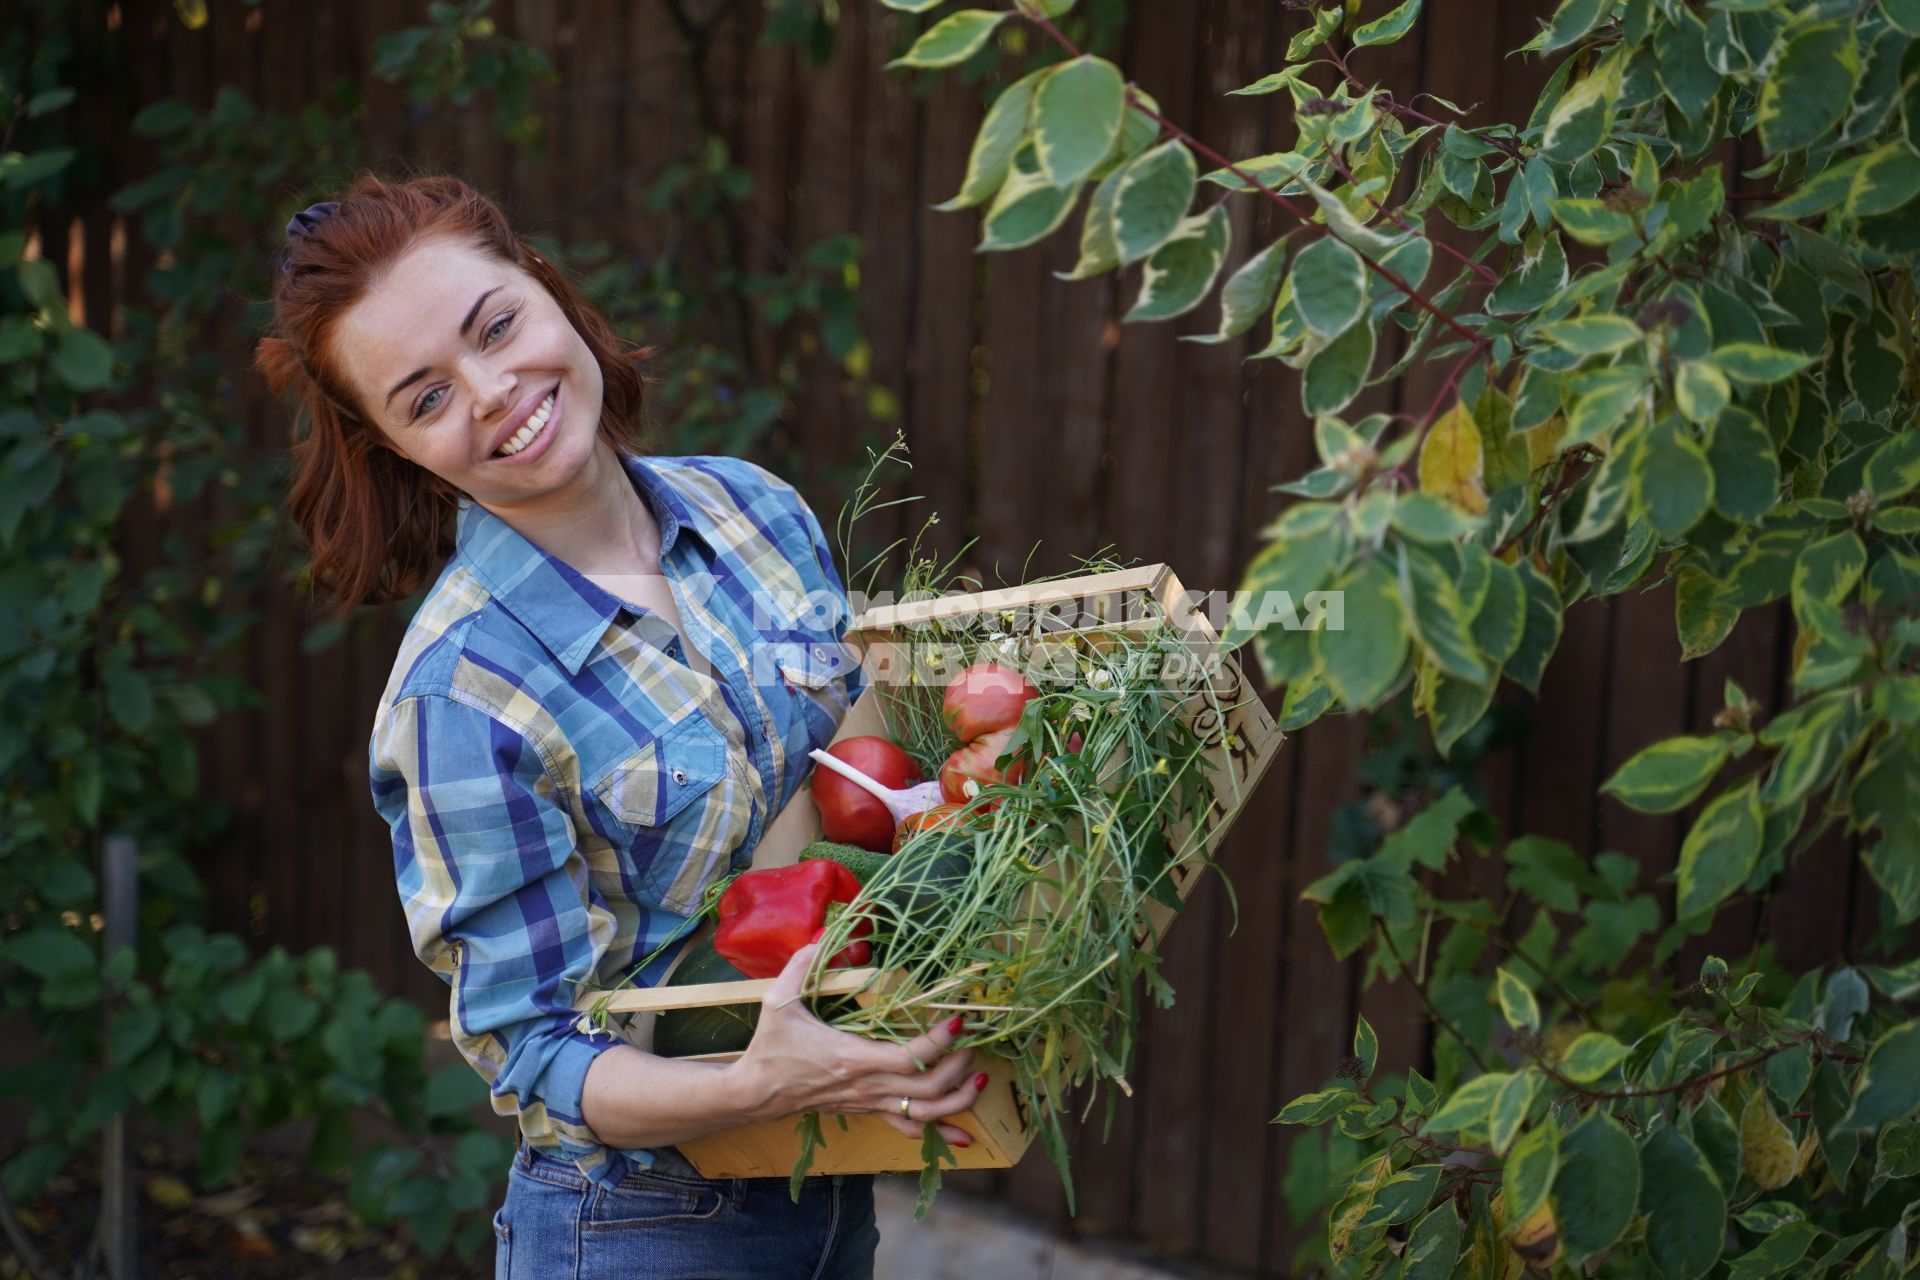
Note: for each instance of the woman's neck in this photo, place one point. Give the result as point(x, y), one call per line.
point(599, 524)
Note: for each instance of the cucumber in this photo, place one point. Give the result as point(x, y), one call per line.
point(680, 1033)
point(864, 863)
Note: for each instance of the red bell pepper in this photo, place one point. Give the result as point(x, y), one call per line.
point(768, 914)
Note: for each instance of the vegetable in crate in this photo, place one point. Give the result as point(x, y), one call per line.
point(934, 819)
point(725, 1028)
point(768, 914)
point(849, 815)
point(982, 706)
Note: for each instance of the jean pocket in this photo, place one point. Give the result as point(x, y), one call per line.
point(502, 1246)
point(647, 1199)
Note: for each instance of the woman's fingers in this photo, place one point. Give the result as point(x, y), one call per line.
point(786, 987)
point(946, 1076)
point(954, 1134)
point(926, 1048)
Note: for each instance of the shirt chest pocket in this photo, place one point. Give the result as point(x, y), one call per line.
point(677, 808)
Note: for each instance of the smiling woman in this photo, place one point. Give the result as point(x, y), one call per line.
point(578, 736)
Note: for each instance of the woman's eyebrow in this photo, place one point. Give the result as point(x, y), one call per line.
point(465, 325)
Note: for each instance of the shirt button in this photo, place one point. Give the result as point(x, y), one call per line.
point(680, 777)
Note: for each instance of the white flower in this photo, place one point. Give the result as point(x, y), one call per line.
point(1100, 678)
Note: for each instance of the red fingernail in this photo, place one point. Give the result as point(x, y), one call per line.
point(980, 1081)
point(961, 1142)
point(957, 1025)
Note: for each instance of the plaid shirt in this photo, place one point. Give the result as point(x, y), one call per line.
point(563, 780)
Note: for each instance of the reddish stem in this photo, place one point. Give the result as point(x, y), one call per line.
point(1390, 276)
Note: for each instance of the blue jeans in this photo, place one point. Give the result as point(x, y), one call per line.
point(669, 1223)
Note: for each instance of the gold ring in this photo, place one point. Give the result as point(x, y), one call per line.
point(904, 1104)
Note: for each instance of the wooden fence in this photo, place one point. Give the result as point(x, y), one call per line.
point(1032, 415)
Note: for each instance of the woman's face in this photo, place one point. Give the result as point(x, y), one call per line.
point(465, 365)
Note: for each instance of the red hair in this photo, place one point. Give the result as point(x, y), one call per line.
point(377, 525)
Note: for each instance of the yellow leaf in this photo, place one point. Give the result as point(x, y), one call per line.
point(1808, 1145)
point(1537, 1240)
point(1767, 1151)
point(168, 1193)
point(192, 12)
point(1451, 461)
point(1543, 442)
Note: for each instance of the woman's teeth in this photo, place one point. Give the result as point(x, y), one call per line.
point(536, 423)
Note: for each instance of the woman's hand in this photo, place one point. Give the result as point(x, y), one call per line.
point(798, 1063)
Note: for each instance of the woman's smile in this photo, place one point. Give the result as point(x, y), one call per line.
point(533, 438)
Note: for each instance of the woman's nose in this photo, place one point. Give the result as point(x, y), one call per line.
point(493, 388)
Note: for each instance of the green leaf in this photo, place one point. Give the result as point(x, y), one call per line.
point(1753, 362)
point(1336, 372)
point(1433, 1248)
point(1689, 80)
point(1001, 131)
point(1099, 252)
point(1592, 1056)
point(1517, 1004)
point(159, 119)
point(1329, 286)
point(1580, 120)
point(1570, 24)
point(132, 1031)
point(1807, 91)
point(1510, 1107)
point(1441, 622)
point(1685, 1207)
point(1471, 1105)
point(953, 39)
point(1597, 1188)
point(1076, 117)
point(1746, 466)
point(1701, 391)
point(1540, 273)
point(1889, 1086)
point(1672, 480)
point(1366, 1047)
point(1026, 210)
point(1894, 468)
point(1780, 1251)
point(1152, 199)
point(82, 360)
point(1530, 1167)
point(1811, 752)
point(1668, 775)
point(1364, 659)
point(1719, 852)
point(1542, 634)
point(1591, 222)
point(1180, 272)
point(1885, 180)
point(1390, 28)
point(1248, 293)
point(1318, 1108)
point(50, 952)
point(1825, 572)
point(1343, 223)
point(129, 697)
point(1594, 335)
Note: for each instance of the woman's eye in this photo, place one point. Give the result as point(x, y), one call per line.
point(427, 402)
point(499, 327)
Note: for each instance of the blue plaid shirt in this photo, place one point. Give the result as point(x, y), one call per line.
point(563, 779)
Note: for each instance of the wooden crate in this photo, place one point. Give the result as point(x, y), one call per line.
point(1242, 742)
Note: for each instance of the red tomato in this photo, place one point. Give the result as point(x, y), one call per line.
point(941, 815)
point(975, 761)
point(985, 697)
point(847, 813)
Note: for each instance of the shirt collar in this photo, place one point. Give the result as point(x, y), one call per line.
point(549, 597)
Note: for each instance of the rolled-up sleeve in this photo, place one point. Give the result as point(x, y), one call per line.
point(856, 676)
point(498, 903)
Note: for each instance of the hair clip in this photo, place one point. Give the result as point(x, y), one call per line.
point(304, 222)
